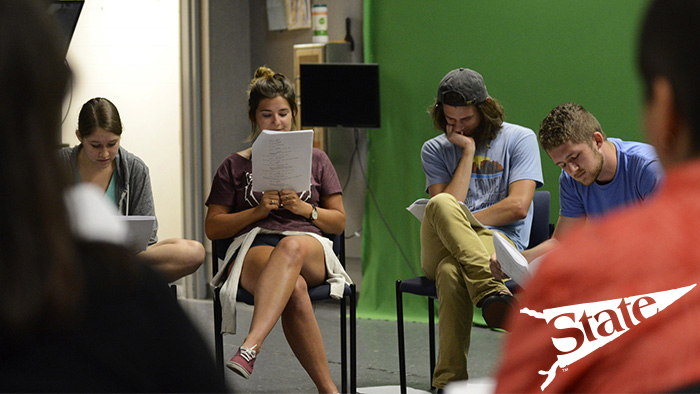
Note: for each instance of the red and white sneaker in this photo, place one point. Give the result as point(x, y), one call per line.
point(243, 361)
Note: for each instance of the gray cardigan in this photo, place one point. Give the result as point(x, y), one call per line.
point(133, 184)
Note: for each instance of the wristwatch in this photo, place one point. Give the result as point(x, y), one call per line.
point(314, 213)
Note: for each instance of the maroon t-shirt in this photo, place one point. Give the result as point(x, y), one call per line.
point(232, 186)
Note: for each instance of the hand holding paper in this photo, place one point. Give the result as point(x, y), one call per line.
point(513, 263)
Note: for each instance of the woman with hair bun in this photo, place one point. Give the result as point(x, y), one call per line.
point(279, 248)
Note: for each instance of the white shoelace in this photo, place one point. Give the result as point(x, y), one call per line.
point(248, 354)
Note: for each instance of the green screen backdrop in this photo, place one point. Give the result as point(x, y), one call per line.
point(534, 55)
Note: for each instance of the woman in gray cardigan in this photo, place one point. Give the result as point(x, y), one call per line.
point(100, 160)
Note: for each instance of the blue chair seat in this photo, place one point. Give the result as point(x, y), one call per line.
point(317, 293)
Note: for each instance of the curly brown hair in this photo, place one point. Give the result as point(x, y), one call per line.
point(568, 122)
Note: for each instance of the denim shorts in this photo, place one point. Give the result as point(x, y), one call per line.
point(267, 240)
point(262, 240)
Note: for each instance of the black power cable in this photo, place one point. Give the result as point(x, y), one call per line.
point(376, 205)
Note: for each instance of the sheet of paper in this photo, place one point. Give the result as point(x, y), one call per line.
point(139, 231)
point(513, 263)
point(418, 209)
point(282, 160)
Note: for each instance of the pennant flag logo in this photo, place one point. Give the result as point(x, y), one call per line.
point(587, 327)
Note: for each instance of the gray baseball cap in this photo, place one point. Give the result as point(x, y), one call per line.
point(466, 83)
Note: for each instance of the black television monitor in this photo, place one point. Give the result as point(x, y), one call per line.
point(339, 95)
point(66, 13)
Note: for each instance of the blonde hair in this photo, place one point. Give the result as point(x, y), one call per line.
point(267, 84)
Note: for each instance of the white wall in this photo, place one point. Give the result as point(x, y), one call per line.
point(129, 52)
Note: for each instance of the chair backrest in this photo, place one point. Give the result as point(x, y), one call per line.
point(338, 246)
point(540, 218)
point(219, 247)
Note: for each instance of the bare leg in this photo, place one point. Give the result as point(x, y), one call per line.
point(304, 337)
point(279, 277)
point(174, 257)
point(272, 280)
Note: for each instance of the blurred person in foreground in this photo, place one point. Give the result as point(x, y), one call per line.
point(75, 315)
point(626, 286)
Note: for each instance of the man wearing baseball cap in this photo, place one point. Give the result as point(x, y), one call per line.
point(493, 167)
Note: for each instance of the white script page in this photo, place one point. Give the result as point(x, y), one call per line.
point(282, 160)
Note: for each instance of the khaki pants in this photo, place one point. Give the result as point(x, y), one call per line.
point(455, 256)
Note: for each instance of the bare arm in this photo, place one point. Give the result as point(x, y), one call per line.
point(514, 207)
point(459, 184)
point(564, 224)
point(331, 214)
point(220, 222)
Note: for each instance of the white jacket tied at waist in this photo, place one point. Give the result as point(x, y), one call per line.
point(337, 277)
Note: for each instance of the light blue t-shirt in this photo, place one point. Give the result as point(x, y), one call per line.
point(639, 172)
point(513, 156)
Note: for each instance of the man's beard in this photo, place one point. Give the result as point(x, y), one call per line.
point(594, 173)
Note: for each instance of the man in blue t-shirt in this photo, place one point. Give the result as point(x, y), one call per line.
point(599, 174)
point(492, 168)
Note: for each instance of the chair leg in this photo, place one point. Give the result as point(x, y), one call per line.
point(353, 339)
point(431, 333)
point(343, 348)
point(399, 326)
point(353, 343)
point(218, 337)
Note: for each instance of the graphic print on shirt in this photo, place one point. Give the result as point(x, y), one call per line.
point(587, 327)
point(252, 197)
point(485, 184)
